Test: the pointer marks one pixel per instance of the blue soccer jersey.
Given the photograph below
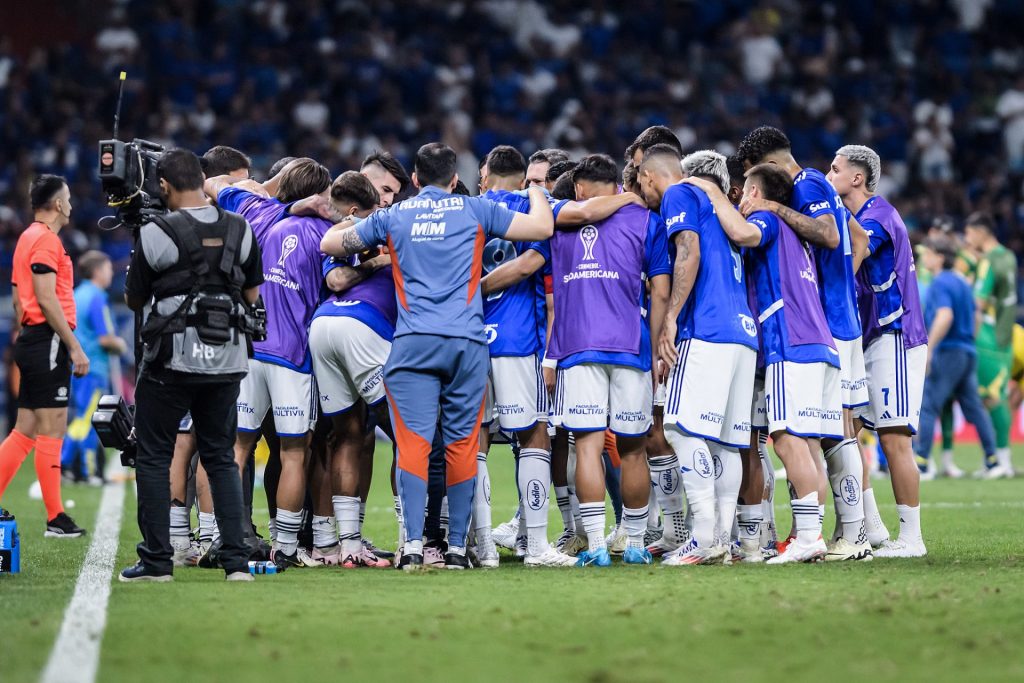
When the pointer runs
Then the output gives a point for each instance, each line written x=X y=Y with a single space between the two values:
x=94 y=321
x=437 y=243
x=716 y=310
x=515 y=318
x=814 y=196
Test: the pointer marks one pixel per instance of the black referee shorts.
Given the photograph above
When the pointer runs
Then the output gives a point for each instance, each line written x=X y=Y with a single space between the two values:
x=45 y=367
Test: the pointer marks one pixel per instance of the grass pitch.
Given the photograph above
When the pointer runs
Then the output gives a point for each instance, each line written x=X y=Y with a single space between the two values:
x=958 y=612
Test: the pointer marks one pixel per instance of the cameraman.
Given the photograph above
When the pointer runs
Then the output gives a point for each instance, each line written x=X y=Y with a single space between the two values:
x=194 y=274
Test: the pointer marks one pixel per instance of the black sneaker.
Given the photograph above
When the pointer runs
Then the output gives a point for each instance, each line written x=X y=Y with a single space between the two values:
x=211 y=558
x=285 y=561
x=456 y=561
x=379 y=552
x=411 y=562
x=63 y=526
x=140 y=572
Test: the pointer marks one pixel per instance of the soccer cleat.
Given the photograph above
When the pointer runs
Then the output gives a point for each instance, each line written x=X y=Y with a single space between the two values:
x=594 y=558
x=487 y=556
x=550 y=558
x=995 y=472
x=285 y=560
x=186 y=555
x=749 y=552
x=140 y=572
x=901 y=548
x=691 y=553
x=575 y=546
x=637 y=556
x=769 y=551
x=951 y=471
x=781 y=546
x=617 y=540
x=432 y=556
x=363 y=558
x=797 y=551
x=653 y=535
x=564 y=539
x=521 y=546
x=379 y=552
x=211 y=558
x=305 y=558
x=663 y=546
x=63 y=526
x=327 y=557
x=411 y=562
x=505 y=533
x=456 y=561
x=239 y=576
x=842 y=550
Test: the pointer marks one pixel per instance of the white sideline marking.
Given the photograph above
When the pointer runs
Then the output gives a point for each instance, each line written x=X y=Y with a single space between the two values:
x=76 y=653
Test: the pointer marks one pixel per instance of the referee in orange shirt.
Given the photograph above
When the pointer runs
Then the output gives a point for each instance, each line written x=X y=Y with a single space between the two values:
x=45 y=349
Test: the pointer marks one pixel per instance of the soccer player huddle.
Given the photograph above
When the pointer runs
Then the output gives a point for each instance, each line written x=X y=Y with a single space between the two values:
x=636 y=335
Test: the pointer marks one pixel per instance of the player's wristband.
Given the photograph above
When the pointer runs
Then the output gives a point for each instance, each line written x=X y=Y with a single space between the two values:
x=549 y=363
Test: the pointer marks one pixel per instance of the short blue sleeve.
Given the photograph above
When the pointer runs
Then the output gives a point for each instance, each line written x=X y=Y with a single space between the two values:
x=99 y=316
x=230 y=198
x=940 y=295
x=768 y=225
x=494 y=217
x=877 y=235
x=680 y=209
x=329 y=263
x=543 y=248
x=374 y=230
x=556 y=208
x=811 y=198
x=656 y=261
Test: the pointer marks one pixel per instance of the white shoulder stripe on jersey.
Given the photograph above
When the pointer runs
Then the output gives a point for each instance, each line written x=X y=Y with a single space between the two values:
x=770 y=311
x=882 y=322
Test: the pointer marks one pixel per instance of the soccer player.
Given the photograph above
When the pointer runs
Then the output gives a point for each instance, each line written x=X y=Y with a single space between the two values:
x=802 y=396
x=709 y=339
x=224 y=160
x=655 y=135
x=515 y=321
x=604 y=367
x=387 y=175
x=895 y=345
x=996 y=292
x=46 y=350
x=949 y=314
x=540 y=162
x=349 y=340
x=439 y=355
x=99 y=340
x=818 y=216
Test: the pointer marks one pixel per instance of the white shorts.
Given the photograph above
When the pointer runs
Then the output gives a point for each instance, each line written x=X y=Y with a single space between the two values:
x=804 y=399
x=594 y=396
x=348 y=362
x=516 y=395
x=853 y=376
x=290 y=393
x=895 y=383
x=709 y=391
x=758 y=411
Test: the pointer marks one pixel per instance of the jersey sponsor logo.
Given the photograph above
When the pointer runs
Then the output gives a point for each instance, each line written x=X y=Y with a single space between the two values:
x=536 y=494
x=631 y=416
x=429 y=230
x=675 y=219
x=820 y=413
x=589 y=235
x=287 y=247
x=586 y=409
x=453 y=202
x=244 y=408
x=509 y=409
x=748 y=325
x=371 y=383
x=819 y=206
x=593 y=272
x=849 y=489
x=713 y=418
x=289 y=411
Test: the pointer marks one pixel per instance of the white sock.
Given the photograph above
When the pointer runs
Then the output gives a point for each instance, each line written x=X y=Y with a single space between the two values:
x=208 y=531
x=272 y=529
x=346 y=511
x=574 y=501
x=444 y=515
x=482 y=501
x=750 y=518
x=288 y=524
x=727 y=490
x=398 y=517
x=698 y=475
x=873 y=523
x=768 y=502
x=653 y=510
x=910 y=522
x=845 y=471
x=667 y=482
x=325 y=531
x=534 y=483
x=362 y=515
x=634 y=522
x=565 y=507
x=593 y=516
x=179 y=519
x=1003 y=458
x=806 y=518
x=947 y=461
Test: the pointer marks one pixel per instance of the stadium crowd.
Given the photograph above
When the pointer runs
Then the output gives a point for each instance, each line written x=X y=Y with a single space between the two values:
x=933 y=85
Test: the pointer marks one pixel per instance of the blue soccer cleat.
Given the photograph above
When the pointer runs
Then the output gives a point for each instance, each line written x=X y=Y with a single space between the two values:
x=637 y=556
x=595 y=558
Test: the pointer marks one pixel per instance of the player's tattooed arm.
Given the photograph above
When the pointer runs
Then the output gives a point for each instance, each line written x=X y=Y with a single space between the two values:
x=342 y=242
x=860 y=243
x=512 y=273
x=684 y=275
x=821 y=231
x=572 y=215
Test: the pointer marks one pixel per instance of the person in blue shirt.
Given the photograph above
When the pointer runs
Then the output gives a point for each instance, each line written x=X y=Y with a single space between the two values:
x=949 y=315
x=439 y=355
x=99 y=340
